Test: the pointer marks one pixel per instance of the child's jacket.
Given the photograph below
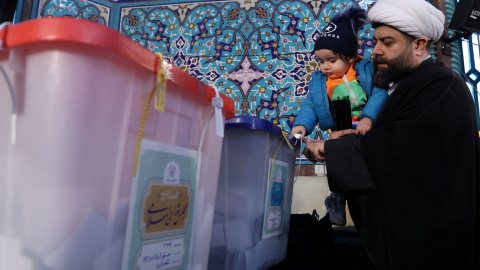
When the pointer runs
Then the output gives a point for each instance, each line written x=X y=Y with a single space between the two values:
x=347 y=87
x=315 y=108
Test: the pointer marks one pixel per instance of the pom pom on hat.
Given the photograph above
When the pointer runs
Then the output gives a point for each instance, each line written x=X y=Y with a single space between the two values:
x=340 y=34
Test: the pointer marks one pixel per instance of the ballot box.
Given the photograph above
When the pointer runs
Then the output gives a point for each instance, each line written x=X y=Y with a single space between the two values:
x=113 y=154
x=254 y=195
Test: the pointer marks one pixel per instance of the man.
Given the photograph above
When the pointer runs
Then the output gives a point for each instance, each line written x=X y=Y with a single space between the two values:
x=413 y=180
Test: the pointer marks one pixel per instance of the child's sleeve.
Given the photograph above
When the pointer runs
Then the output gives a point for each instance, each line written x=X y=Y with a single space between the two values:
x=376 y=95
x=374 y=103
x=315 y=107
x=306 y=116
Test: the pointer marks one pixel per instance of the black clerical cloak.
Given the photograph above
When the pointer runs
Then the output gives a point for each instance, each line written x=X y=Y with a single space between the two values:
x=413 y=181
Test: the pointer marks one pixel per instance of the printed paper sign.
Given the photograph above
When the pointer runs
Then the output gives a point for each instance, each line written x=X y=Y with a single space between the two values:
x=165 y=208
x=276 y=198
x=159 y=225
x=166 y=254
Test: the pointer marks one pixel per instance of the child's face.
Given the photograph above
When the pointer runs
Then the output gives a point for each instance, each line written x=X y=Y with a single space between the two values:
x=332 y=65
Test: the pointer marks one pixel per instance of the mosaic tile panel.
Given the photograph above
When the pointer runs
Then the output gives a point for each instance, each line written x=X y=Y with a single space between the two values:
x=81 y=9
x=256 y=52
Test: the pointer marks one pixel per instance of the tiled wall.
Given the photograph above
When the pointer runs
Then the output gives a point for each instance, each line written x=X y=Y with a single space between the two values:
x=96 y=11
x=256 y=52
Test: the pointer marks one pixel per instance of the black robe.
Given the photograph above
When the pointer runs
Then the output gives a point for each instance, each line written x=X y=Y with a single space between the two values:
x=413 y=180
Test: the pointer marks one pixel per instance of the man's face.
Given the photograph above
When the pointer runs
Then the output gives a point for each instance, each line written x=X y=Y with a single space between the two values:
x=392 y=56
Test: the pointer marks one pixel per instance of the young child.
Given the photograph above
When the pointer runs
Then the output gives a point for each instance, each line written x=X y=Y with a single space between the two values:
x=343 y=75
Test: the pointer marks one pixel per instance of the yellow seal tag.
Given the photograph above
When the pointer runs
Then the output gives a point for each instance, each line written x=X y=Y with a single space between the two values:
x=161 y=85
x=284 y=133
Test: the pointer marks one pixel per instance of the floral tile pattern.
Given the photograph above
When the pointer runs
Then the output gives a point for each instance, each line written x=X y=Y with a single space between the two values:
x=81 y=9
x=257 y=52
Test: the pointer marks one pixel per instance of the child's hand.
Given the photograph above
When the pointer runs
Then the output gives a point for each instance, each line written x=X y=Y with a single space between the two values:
x=299 y=130
x=363 y=126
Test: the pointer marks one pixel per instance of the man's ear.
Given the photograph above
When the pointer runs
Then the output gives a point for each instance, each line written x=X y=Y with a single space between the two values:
x=419 y=45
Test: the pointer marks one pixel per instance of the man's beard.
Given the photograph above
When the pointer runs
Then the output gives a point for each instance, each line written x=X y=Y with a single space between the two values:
x=397 y=68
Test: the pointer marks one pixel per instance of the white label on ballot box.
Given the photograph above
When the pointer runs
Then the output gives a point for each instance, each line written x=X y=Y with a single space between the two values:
x=159 y=226
x=274 y=220
x=166 y=254
x=275 y=199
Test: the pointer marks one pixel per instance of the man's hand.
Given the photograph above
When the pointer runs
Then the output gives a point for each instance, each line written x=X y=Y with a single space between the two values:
x=340 y=133
x=314 y=151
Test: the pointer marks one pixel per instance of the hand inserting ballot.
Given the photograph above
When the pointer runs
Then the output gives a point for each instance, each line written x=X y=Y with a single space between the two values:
x=315 y=149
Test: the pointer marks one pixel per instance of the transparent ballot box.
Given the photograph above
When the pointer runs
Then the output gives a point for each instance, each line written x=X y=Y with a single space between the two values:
x=254 y=196
x=110 y=158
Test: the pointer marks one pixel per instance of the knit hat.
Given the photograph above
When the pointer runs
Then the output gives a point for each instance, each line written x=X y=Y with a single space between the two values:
x=340 y=34
x=417 y=18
